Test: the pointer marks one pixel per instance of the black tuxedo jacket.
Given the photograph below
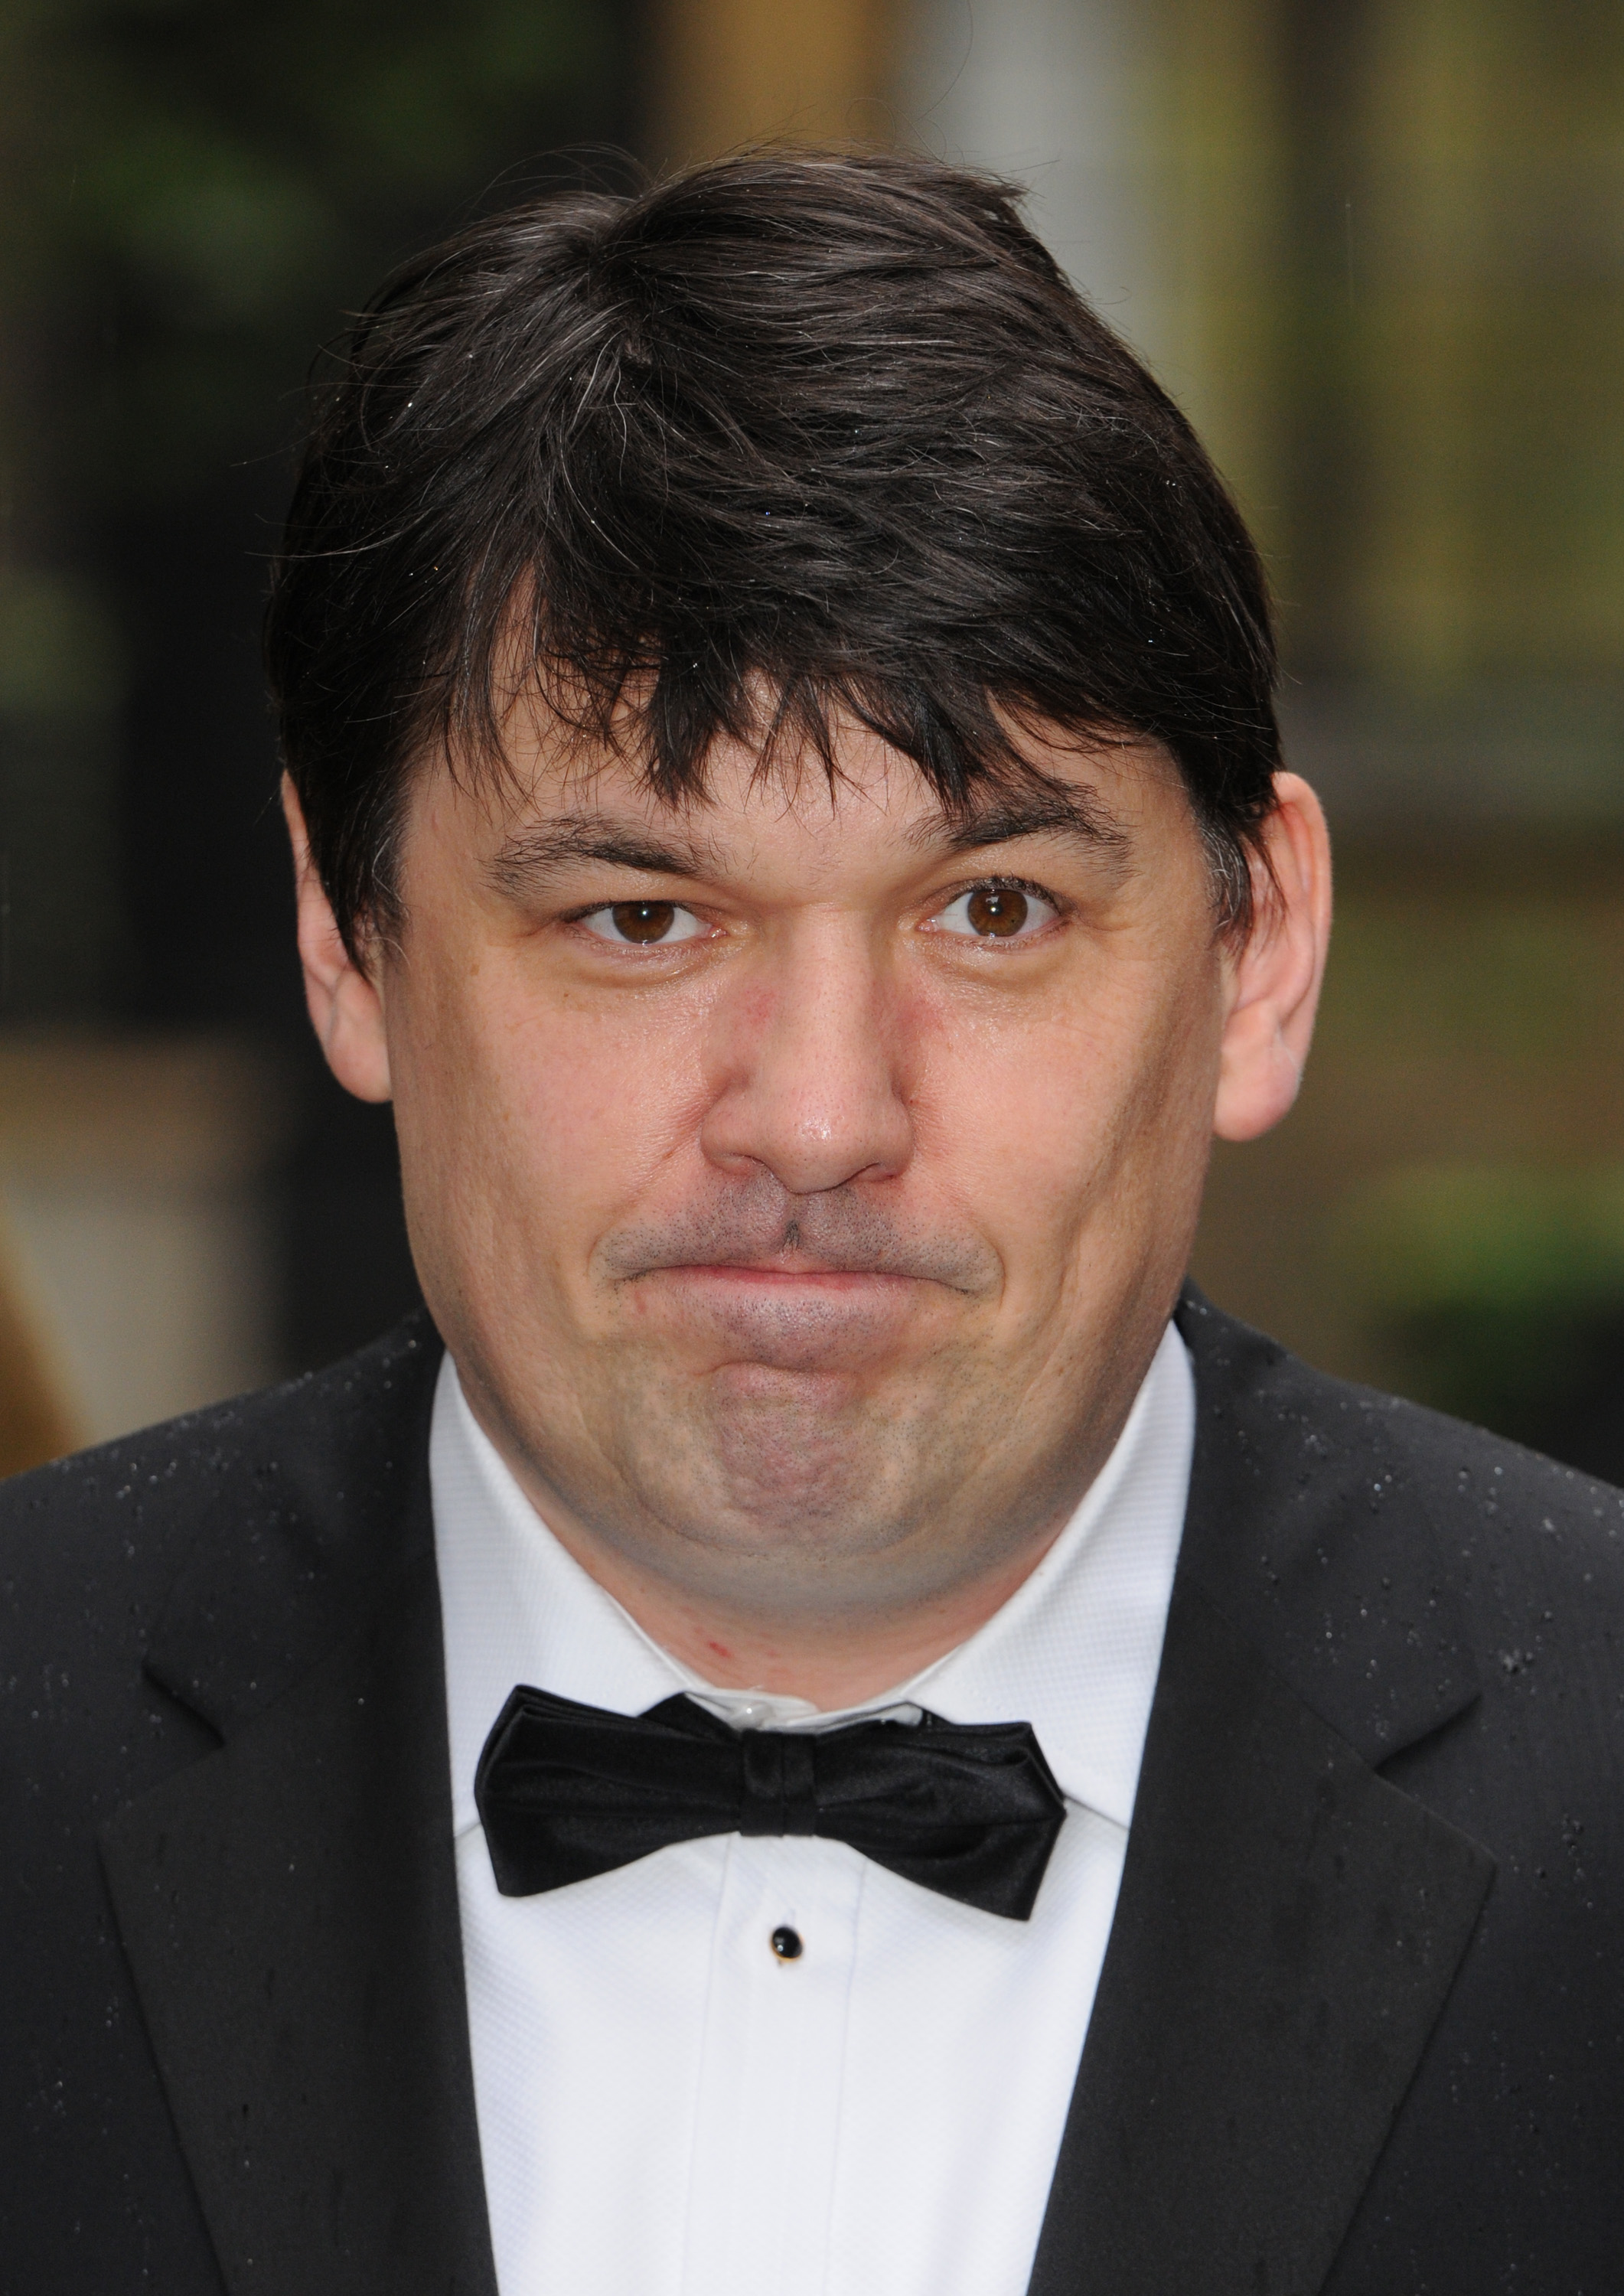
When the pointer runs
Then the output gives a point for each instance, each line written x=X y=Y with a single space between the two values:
x=1360 y=2028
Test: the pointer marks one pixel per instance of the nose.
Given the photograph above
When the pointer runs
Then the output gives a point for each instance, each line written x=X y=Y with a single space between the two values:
x=808 y=1077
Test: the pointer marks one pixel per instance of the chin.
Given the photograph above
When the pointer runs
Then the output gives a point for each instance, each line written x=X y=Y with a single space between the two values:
x=784 y=1467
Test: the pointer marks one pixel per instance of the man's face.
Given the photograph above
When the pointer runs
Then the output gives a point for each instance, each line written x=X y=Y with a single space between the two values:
x=801 y=1179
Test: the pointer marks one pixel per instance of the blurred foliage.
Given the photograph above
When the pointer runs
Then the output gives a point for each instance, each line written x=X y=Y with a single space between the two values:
x=197 y=187
x=1443 y=1212
x=63 y=660
x=195 y=191
x=1499 y=1292
x=1493 y=980
x=61 y=656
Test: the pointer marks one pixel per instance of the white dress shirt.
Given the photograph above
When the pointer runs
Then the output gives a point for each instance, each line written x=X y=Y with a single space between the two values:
x=668 y=2108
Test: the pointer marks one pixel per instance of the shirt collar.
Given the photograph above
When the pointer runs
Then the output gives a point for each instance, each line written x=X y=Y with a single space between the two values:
x=1074 y=1651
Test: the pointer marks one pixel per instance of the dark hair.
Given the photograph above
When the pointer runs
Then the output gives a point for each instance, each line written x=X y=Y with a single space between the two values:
x=794 y=433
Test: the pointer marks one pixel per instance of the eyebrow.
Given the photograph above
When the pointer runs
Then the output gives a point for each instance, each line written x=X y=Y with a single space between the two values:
x=531 y=856
x=1046 y=810
x=527 y=859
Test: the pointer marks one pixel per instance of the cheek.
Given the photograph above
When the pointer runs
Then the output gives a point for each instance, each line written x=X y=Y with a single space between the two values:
x=548 y=1112
x=1082 y=1114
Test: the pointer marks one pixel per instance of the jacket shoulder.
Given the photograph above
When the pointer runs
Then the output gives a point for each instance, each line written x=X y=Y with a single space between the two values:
x=1266 y=1418
x=91 y=1546
x=1375 y=1542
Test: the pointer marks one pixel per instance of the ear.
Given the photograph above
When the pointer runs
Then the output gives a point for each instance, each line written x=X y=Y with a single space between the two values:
x=1274 y=979
x=346 y=1006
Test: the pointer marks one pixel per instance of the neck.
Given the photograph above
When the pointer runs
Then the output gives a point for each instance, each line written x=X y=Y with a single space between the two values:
x=836 y=1634
x=832 y=1659
x=768 y=1608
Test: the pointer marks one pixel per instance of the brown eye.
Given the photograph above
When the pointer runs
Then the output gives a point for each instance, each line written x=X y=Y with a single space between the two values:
x=640 y=924
x=643 y=921
x=997 y=910
x=1000 y=909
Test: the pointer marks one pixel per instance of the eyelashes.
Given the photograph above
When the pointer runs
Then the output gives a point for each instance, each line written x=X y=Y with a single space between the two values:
x=644 y=924
x=994 y=910
x=998 y=909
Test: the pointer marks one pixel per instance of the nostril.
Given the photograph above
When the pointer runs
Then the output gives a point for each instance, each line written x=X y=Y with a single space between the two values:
x=812 y=1091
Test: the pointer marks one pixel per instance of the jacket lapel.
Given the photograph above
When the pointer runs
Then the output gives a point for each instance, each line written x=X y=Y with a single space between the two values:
x=1289 y=1923
x=1288 y=1929
x=288 y=1907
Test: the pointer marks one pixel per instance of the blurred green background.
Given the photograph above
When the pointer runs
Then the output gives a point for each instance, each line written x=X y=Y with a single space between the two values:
x=1376 y=246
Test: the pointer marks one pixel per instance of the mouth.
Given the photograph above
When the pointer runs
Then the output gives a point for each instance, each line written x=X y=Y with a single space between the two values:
x=784 y=1270
x=786 y=1312
x=837 y=1286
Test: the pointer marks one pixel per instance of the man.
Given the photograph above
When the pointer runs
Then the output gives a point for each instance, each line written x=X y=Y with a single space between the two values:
x=818 y=1725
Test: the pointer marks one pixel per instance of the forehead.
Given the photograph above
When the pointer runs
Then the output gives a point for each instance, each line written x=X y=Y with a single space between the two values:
x=867 y=805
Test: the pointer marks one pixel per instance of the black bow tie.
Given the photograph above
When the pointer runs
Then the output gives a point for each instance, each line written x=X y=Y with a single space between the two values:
x=565 y=1791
